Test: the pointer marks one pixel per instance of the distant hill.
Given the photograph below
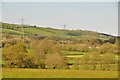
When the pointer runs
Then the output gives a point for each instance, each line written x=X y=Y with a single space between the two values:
x=28 y=30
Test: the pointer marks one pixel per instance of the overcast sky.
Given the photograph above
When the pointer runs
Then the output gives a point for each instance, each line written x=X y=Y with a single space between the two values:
x=95 y=16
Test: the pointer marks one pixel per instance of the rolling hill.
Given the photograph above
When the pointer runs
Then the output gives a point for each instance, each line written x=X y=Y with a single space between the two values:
x=27 y=30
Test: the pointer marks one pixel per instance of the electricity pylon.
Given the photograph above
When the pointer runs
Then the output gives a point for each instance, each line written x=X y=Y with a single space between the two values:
x=22 y=25
x=64 y=27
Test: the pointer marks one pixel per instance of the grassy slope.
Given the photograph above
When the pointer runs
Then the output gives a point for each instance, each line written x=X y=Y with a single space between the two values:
x=81 y=34
x=39 y=73
x=58 y=32
x=52 y=32
x=11 y=32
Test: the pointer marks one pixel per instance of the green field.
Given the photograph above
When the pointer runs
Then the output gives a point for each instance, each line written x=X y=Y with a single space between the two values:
x=47 y=73
x=51 y=32
x=44 y=31
x=12 y=32
x=74 y=53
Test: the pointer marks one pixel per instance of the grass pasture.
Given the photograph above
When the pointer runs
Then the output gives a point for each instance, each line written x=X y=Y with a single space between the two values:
x=12 y=32
x=47 y=73
x=74 y=53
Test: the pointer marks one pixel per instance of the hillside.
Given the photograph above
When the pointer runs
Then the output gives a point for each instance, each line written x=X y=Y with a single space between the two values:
x=27 y=30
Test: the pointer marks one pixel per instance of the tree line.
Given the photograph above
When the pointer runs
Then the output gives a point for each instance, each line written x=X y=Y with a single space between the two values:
x=47 y=54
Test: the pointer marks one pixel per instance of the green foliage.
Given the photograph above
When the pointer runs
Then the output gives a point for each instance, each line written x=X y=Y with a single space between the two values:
x=99 y=41
x=16 y=56
x=11 y=54
x=94 y=60
x=118 y=41
x=106 y=60
x=112 y=40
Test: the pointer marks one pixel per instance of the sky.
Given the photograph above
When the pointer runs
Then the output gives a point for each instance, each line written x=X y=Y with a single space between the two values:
x=60 y=0
x=95 y=16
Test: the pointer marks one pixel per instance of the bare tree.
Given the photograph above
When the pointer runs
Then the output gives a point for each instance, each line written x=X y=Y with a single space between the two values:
x=55 y=61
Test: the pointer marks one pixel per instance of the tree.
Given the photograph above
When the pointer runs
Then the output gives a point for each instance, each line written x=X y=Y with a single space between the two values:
x=81 y=47
x=99 y=41
x=16 y=56
x=84 y=61
x=94 y=59
x=12 y=54
x=108 y=48
x=106 y=60
x=112 y=40
x=57 y=48
x=55 y=61
x=105 y=48
x=41 y=48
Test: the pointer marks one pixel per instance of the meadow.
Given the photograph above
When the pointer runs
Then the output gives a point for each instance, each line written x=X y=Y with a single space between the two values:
x=61 y=73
